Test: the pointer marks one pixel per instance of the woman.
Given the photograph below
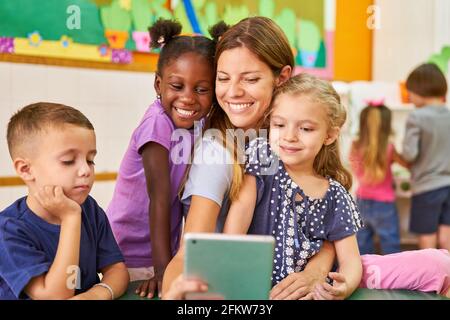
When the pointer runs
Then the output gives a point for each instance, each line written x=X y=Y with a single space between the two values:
x=253 y=57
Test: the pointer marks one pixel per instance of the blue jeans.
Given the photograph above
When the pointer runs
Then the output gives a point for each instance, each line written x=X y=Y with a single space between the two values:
x=379 y=218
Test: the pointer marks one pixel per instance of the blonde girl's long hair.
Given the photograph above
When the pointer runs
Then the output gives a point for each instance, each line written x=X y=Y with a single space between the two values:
x=328 y=160
x=374 y=132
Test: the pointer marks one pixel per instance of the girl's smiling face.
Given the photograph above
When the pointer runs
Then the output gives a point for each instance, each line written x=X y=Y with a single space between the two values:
x=186 y=86
x=298 y=129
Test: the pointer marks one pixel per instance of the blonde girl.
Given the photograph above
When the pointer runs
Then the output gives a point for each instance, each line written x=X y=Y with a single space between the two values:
x=304 y=201
x=371 y=157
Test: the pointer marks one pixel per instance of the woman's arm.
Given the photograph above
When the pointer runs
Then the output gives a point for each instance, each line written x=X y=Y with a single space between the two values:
x=300 y=285
x=411 y=139
x=202 y=217
x=241 y=211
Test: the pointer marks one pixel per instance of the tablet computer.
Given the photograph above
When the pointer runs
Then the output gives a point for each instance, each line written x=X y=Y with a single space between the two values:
x=235 y=267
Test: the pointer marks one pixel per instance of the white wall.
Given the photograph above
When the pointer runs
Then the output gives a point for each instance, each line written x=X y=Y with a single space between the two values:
x=114 y=102
x=411 y=31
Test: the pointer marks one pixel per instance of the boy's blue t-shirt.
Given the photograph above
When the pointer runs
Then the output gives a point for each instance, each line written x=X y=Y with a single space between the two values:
x=28 y=246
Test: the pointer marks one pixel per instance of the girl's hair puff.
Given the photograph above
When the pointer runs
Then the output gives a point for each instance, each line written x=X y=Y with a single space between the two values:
x=328 y=161
x=166 y=34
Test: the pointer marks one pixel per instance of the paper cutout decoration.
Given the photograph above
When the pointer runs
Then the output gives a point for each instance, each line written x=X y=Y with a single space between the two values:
x=142 y=40
x=442 y=59
x=55 y=49
x=66 y=41
x=6 y=45
x=308 y=24
x=121 y=56
x=103 y=50
x=34 y=38
x=308 y=42
x=125 y=4
x=117 y=23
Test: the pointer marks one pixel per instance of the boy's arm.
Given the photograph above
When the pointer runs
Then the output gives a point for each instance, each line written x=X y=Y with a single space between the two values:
x=399 y=159
x=411 y=140
x=56 y=284
x=155 y=159
x=241 y=211
x=350 y=272
x=115 y=276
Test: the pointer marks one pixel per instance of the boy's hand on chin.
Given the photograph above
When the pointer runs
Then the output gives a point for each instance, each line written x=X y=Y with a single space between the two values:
x=53 y=199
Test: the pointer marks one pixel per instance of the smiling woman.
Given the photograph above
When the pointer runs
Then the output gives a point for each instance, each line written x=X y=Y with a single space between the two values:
x=249 y=68
x=244 y=90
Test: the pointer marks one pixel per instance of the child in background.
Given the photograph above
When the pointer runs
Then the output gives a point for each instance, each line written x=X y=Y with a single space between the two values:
x=426 y=270
x=145 y=213
x=55 y=240
x=371 y=157
x=298 y=193
x=426 y=147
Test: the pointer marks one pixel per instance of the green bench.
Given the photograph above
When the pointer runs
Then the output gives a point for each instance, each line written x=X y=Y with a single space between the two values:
x=359 y=294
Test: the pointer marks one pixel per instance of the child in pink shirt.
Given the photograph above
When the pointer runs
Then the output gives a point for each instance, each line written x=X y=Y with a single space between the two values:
x=426 y=270
x=371 y=158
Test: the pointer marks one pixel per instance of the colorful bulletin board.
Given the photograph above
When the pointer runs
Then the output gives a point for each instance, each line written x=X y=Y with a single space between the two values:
x=115 y=31
x=308 y=24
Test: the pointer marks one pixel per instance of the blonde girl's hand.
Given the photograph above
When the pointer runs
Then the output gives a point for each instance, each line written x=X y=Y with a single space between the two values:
x=337 y=291
x=53 y=199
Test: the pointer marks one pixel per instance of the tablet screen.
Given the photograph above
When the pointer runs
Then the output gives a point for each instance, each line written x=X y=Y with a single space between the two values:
x=237 y=267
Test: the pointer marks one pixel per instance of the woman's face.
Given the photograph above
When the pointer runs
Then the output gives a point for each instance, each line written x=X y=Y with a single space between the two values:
x=244 y=87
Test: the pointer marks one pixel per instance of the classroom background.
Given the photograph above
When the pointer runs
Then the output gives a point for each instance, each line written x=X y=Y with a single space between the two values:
x=63 y=51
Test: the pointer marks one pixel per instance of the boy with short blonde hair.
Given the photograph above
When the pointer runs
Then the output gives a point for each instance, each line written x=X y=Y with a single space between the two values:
x=54 y=241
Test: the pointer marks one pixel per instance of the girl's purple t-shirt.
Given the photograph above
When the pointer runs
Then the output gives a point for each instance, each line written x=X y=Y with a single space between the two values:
x=128 y=210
